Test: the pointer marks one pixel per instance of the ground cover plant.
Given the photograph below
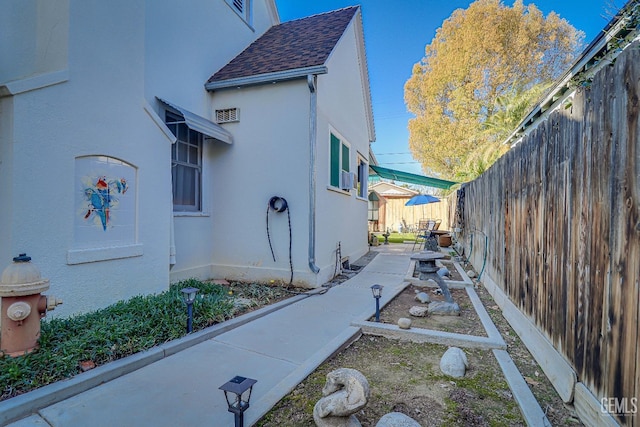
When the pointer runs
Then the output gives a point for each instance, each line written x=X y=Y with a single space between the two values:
x=69 y=346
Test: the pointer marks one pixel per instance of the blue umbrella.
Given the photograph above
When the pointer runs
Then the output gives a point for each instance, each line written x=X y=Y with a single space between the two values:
x=421 y=199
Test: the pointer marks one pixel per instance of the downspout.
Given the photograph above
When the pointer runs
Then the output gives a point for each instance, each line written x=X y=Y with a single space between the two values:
x=313 y=121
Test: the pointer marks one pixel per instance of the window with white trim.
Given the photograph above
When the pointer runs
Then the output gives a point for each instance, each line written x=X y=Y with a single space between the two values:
x=339 y=160
x=242 y=8
x=363 y=177
x=186 y=165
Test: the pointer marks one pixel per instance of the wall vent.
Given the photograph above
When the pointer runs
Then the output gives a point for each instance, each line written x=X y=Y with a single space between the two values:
x=227 y=115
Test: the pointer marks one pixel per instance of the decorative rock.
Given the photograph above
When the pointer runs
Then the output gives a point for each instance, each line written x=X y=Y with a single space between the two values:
x=454 y=362
x=404 y=323
x=397 y=419
x=422 y=297
x=471 y=274
x=443 y=308
x=345 y=392
x=444 y=272
x=418 y=311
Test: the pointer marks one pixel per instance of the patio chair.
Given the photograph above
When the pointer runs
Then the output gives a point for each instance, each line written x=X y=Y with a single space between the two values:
x=424 y=230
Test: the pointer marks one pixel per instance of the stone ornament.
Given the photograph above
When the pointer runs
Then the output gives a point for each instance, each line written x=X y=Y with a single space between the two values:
x=345 y=392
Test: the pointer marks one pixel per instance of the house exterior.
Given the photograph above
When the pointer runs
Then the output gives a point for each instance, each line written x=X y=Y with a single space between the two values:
x=116 y=176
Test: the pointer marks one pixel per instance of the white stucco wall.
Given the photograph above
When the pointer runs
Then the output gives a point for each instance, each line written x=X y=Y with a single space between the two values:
x=179 y=60
x=269 y=157
x=341 y=108
x=97 y=111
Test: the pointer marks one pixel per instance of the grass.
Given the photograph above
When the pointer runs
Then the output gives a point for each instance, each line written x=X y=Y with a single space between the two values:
x=396 y=237
x=123 y=329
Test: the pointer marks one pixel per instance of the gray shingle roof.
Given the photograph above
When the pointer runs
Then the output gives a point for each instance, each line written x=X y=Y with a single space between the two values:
x=302 y=43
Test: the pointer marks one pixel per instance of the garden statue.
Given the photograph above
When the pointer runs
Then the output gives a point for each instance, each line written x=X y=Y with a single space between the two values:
x=345 y=393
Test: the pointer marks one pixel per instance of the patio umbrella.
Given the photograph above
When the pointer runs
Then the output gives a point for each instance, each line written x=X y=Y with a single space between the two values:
x=421 y=199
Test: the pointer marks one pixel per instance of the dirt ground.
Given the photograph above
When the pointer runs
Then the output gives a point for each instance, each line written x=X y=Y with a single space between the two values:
x=467 y=322
x=405 y=377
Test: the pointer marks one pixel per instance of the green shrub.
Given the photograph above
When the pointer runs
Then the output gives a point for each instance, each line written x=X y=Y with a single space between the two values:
x=120 y=330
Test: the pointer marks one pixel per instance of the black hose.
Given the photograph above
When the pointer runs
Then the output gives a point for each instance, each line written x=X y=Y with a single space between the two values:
x=279 y=204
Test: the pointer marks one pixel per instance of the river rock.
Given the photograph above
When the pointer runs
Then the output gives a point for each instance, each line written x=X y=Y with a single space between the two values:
x=404 y=323
x=471 y=274
x=422 y=297
x=418 y=311
x=397 y=419
x=454 y=362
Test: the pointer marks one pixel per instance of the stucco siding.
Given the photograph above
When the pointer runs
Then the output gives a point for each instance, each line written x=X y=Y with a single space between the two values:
x=97 y=112
x=343 y=216
x=269 y=157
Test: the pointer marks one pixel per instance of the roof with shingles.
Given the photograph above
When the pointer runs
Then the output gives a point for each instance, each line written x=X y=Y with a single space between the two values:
x=302 y=43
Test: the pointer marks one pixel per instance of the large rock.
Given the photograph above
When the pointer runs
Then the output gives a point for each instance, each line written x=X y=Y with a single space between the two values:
x=418 y=311
x=404 y=323
x=345 y=392
x=397 y=419
x=443 y=308
x=454 y=362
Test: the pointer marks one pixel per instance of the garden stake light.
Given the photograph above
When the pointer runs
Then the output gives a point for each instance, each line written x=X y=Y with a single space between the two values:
x=189 y=296
x=238 y=389
x=377 y=293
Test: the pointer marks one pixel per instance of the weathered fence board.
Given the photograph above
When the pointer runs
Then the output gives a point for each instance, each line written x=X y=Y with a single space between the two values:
x=556 y=223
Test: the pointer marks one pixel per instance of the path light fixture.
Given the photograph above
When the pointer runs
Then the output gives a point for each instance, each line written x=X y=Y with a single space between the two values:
x=237 y=392
x=189 y=296
x=377 y=293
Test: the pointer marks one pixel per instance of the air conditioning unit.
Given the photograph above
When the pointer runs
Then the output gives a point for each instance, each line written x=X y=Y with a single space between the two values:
x=347 y=180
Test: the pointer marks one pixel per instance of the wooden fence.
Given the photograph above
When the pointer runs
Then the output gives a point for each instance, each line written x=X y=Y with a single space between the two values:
x=559 y=216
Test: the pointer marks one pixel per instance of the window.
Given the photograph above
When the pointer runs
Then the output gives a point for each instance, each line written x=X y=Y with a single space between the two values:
x=186 y=164
x=363 y=177
x=242 y=8
x=339 y=160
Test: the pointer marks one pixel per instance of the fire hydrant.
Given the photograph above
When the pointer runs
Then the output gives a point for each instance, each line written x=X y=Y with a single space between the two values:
x=22 y=305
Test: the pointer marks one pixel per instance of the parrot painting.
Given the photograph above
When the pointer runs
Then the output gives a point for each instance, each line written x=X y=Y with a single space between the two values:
x=100 y=200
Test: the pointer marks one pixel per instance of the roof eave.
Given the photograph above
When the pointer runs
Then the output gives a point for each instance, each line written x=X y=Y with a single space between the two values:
x=266 y=78
x=364 y=70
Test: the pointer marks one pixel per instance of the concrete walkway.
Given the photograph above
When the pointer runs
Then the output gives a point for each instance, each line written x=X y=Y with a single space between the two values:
x=177 y=384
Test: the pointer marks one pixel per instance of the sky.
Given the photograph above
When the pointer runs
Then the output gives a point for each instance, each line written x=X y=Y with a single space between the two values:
x=395 y=40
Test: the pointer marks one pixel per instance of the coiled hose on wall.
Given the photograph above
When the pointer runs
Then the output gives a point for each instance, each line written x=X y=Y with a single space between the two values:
x=279 y=205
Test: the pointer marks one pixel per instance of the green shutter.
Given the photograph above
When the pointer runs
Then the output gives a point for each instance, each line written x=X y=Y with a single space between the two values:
x=345 y=158
x=335 y=161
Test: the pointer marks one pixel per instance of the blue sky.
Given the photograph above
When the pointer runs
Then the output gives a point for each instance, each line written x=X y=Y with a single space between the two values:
x=396 y=33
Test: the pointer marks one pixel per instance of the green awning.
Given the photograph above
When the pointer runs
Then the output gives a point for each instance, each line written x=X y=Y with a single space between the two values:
x=411 y=178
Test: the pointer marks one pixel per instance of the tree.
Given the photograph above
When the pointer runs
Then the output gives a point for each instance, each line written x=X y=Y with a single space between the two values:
x=479 y=55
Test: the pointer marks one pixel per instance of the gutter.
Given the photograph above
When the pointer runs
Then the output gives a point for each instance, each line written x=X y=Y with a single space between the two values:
x=313 y=122
x=267 y=78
